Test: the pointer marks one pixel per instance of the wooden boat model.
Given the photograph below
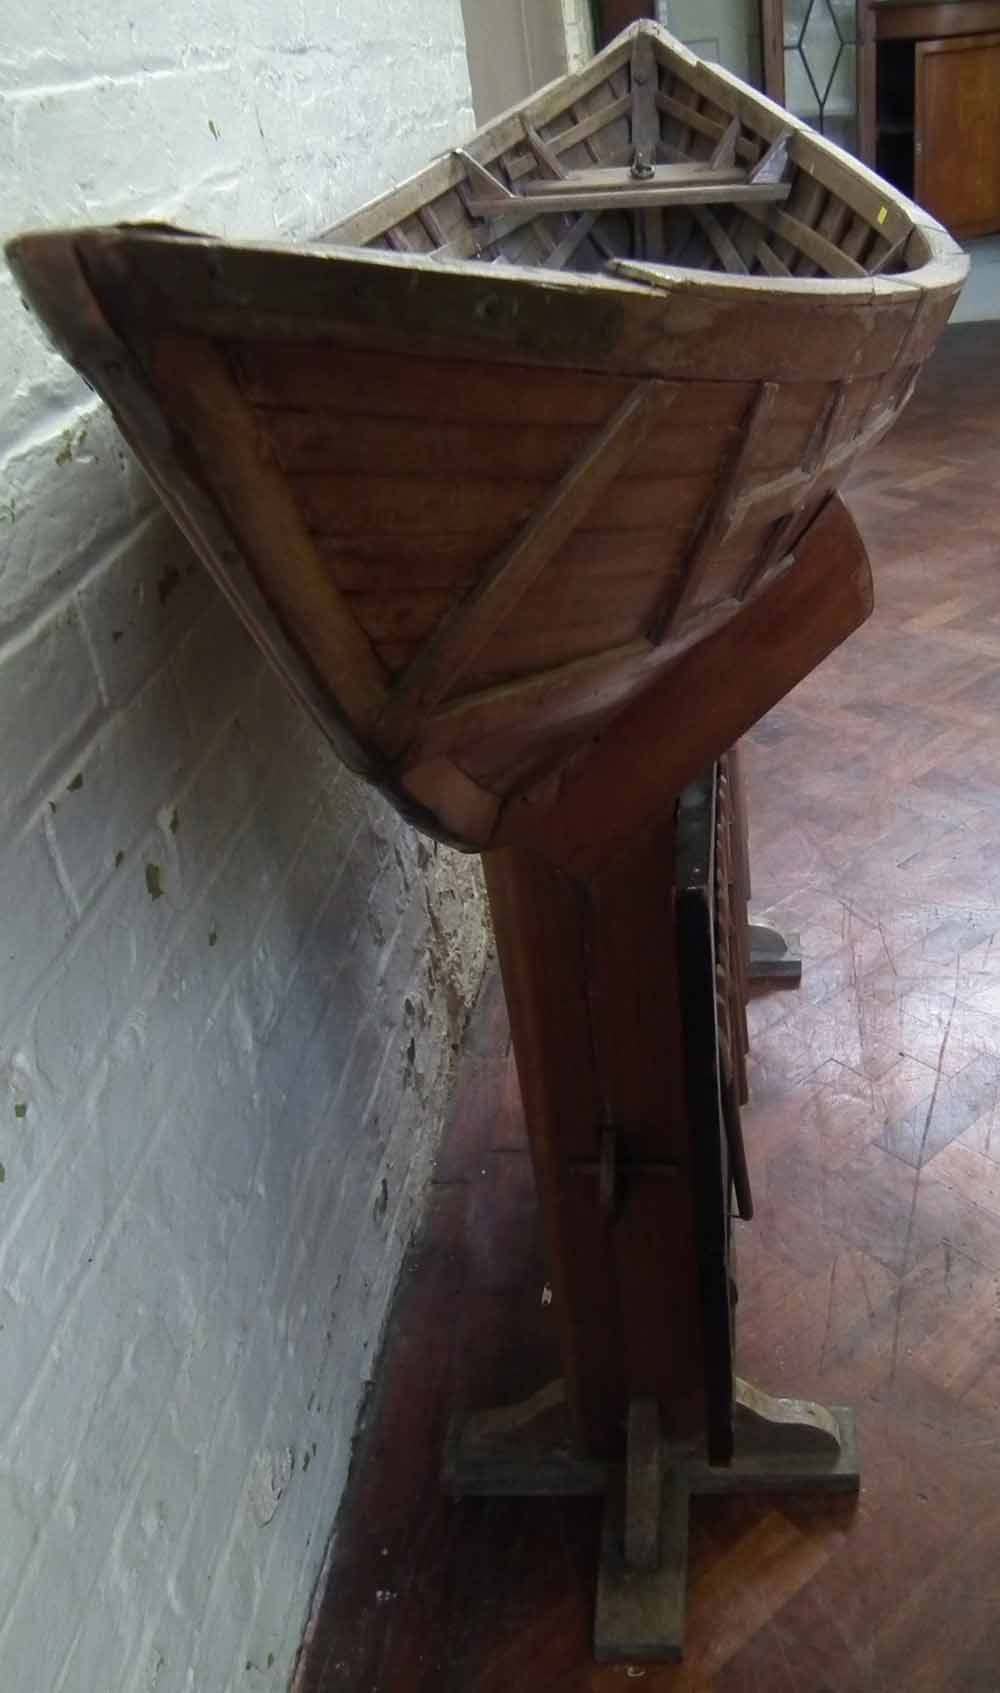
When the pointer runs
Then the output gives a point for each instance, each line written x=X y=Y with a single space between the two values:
x=524 y=475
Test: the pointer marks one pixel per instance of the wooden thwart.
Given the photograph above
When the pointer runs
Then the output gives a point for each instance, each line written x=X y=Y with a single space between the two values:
x=616 y=177
x=636 y=195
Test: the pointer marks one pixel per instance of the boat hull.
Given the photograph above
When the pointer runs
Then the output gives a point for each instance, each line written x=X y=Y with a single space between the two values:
x=473 y=511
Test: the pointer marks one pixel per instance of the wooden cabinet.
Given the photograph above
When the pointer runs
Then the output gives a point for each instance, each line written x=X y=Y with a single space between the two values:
x=930 y=93
x=927 y=92
x=956 y=131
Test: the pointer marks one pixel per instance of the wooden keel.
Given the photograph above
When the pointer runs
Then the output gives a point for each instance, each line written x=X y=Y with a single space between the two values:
x=699 y=193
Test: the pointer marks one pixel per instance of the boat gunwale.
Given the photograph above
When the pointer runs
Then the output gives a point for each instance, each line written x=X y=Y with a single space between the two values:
x=629 y=279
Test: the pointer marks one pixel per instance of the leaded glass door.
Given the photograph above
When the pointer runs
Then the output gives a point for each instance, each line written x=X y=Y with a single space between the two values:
x=811 y=63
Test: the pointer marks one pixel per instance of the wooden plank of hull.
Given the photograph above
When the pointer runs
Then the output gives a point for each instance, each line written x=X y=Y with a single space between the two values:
x=466 y=630
x=353 y=444
x=558 y=601
x=317 y=383
x=501 y=724
x=199 y=392
x=375 y=566
x=345 y=505
x=315 y=377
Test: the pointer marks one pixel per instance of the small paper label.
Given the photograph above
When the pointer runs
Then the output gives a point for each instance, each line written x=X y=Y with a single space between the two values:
x=883 y=214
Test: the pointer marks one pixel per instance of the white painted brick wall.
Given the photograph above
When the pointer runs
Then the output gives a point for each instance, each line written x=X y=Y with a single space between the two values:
x=230 y=981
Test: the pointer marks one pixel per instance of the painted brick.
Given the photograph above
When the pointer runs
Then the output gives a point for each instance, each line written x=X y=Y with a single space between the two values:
x=103 y=974
x=137 y=607
x=49 y=699
x=111 y=797
x=218 y=946
x=68 y=491
x=215 y=665
x=37 y=918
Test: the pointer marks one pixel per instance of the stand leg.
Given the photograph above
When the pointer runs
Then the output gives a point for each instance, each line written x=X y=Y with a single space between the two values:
x=768 y=955
x=639 y=1615
x=782 y=1446
x=773 y=956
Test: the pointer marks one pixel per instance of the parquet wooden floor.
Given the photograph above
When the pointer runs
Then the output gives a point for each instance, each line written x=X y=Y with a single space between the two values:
x=871 y=1274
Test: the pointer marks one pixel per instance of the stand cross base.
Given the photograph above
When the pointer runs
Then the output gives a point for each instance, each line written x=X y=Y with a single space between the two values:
x=781 y=1445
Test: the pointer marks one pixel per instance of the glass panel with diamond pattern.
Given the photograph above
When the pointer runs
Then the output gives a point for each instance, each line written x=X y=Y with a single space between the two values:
x=821 y=41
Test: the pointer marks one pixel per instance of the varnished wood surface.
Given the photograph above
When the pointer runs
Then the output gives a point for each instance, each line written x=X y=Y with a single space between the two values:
x=927 y=18
x=871 y=1274
x=957 y=144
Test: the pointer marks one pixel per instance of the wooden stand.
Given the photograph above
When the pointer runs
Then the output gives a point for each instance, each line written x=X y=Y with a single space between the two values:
x=626 y=990
x=526 y=1450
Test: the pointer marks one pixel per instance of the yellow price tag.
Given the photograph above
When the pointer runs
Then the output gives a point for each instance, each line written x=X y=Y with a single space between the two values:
x=883 y=214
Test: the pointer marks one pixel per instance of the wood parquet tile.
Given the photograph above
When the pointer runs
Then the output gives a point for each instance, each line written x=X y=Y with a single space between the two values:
x=871 y=1273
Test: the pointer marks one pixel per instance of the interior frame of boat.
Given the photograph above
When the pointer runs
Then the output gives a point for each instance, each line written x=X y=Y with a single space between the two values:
x=656 y=157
